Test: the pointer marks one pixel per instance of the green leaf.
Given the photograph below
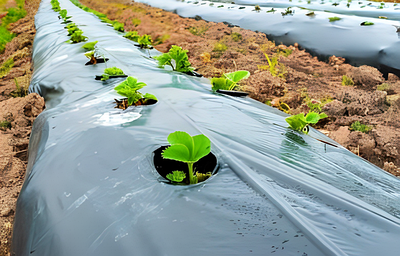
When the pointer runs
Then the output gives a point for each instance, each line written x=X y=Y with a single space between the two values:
x=202 y=147
x=149 y=96
x=63 y=13
x=180 y=57
x=89 y=54
x=323 y=115
x=176 y=176
x=177 y=152
x=89 y=46
x=113 y=71
x=312 y=118
x=183 y=138
x=219 y=83
x=238 y=75
x=132 y=35
x=297 y=122
x=144 y=41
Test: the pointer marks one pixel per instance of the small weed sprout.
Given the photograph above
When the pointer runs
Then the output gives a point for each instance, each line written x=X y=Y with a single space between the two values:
x=198 y=31
x=6 y=67
x=383 y=87
x=236 y=37
x=347 y=81
x=136 y=22
x=4 y=125
x=357 y=126
x=20 y=91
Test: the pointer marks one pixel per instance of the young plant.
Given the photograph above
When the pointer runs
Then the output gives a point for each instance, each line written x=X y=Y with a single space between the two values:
x=288 y=11
x=347 y=81
x=357 y=126
x=144 y=41
x=71 y=28
x=176 y=176
x=130 y=89
x=229 y=81
x=118 y=26
x=90 y=46
x=275 y=68
x=187 y=149
x=114 y=71
x=367 y=23
x=63 y=14
x=77 y=37
x=55 y=5
x=132 y=35
x=300 y=122
x=176 y=58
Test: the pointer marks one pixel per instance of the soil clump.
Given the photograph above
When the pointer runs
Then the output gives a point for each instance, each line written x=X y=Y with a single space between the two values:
x=17 y=113
x=294 y=77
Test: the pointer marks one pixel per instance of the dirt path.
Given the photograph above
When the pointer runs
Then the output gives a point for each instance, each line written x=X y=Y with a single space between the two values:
x=19 y=112
x=301 y=81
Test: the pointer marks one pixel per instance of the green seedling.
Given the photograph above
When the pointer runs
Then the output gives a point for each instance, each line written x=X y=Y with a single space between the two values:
x=275 y=68
x=63 y=14
x=288 y=11
x=20 y=91
x=187 y=149
x=332 y=19
x=6 y=67
x=177 y=58
x=335 y=4
x=90 y=46
x=71 y=28
x=357 y=126
x=347 y=81
x=229 y=81
x=144 y=41
x=130 y=89
x=132 y=35
x=272 y=10
x=367 y=23
x=236 y=37
x=77 y=37
x=114 y=71
x=118 y=26
x=55 y=5
x=300 y=122
x=257 y=8
x=4 y=125
x=176 y=176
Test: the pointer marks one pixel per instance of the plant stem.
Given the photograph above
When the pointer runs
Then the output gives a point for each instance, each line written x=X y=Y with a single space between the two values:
x=191 y=180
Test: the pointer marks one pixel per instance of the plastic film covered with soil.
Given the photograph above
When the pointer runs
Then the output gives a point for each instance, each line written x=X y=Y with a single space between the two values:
x=91 y=187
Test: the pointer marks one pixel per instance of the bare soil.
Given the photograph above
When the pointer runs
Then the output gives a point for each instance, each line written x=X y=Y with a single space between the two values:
x=217 y=48
x=20 y=112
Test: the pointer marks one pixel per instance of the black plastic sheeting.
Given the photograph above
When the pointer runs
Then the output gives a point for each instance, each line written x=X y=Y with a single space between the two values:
x=377 y=45
x=91 y=187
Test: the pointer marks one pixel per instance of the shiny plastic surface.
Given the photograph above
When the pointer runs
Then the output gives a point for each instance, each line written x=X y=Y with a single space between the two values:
x=91 y=187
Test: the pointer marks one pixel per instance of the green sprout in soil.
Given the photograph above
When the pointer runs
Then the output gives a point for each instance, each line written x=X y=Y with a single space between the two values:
x=332 y=19
x=300 y=122
x=136 y=22
x=55 y=5
x=144 y=41
x=90 y=46
x=288 y=11
x=236 y=37
x=130 y=89
x=4 y=125
x=176 y=58
x=229 y=81
x=220 y=48
x=132 y=35
x=367 y=23
x=357 y=126
x=198 y=31
x=187 y=149
x=20 y=91
x=284 y=52
x=176 y=176
x=274 y=67
x=6 y=67
x=114 y=71
x=64 y=15
x=383 y=87
x=347 y=81
x=161 y=39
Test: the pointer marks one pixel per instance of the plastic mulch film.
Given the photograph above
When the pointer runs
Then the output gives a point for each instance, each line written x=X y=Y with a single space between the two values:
x=307 y=23
x=91 y=187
